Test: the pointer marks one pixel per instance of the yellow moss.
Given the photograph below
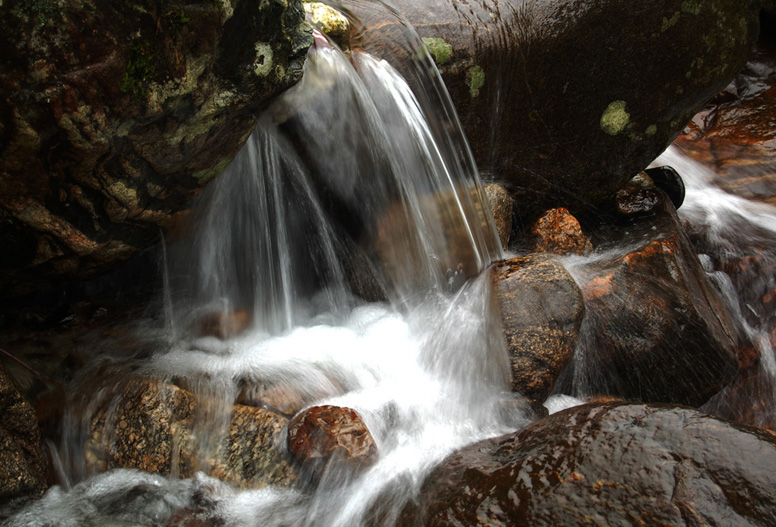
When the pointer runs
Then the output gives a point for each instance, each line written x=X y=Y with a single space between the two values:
x=441 y=50
x=475 y=79
x=615 y=118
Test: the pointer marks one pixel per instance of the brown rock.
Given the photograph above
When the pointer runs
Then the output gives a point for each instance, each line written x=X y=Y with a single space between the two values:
x=330 y=438
x=501 y=206
x=612 y=464
x=115 y=114
x=638 y=197
x=160 y=428
x=734 y=135
x=558 y=232
x=541 y=310
x=655 y=329
x=224 y=325
x=23 y=464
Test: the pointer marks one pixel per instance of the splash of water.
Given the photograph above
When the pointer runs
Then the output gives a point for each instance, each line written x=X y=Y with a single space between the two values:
x=350 y=174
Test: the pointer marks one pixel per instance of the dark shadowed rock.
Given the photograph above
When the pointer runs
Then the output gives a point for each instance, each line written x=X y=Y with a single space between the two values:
x=613 y=464
x=558 y=232
x=158 y=428
x=541 y=310
x=114 y=114
x=23 y=465
x=330 y=438
x=565 y=100
x=639 y=197
x=655 y=328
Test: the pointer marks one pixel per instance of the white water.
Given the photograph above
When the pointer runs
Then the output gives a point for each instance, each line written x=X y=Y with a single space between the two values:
x=733 y=229
x=426 y=368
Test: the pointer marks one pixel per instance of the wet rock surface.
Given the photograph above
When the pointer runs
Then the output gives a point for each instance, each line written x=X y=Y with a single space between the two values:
x=541 y=311
x=153 y=427
x=501 y=206
x=114 y=115
x=330 y=439
x=611 y=464
x=558 y=232
x=655 y=329
x=735 y=135
x=595 y=106
x=23 y=464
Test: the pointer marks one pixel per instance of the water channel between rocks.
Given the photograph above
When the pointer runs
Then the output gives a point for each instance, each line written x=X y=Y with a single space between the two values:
x=356 y=184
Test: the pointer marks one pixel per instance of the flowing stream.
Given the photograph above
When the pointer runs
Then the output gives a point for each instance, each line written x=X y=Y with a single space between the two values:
x=351 y=183
x=357 y=183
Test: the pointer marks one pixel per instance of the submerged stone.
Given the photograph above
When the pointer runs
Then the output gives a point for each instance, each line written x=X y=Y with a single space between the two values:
x=610 y=464
x=330 y=441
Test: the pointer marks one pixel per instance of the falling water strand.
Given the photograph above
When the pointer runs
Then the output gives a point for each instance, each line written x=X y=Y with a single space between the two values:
x=348 y=172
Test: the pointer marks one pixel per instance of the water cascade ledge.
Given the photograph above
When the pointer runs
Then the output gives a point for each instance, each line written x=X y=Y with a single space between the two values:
x=252 y=335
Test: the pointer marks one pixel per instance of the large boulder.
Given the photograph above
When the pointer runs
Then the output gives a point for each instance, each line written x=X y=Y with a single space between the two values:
x=23 y=464
x=159 y=428
x=114 y=114
x=565 y=100
x=655 y=330
x=611 y=464
x=541 y=312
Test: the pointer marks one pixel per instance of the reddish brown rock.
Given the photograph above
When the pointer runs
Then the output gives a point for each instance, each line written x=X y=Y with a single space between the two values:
x=330 y=438
x=656 y=330
x=541 y=312
x=611 y=464
x=735 y=135
x=558 y=232
x=225 y=325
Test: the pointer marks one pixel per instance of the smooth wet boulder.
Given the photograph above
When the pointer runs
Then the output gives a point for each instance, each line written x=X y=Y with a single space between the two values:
x=23 y=464
x=611 y=464
x=159 y=428
x=655 y=330
x=565 y=100
x=332 y=441
x=541 y=311
x=114 y=114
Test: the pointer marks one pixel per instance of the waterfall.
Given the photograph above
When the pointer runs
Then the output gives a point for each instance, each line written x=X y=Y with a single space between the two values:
x=339 y=255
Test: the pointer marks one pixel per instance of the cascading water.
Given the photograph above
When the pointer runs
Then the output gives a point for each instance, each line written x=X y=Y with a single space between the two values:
x=350 y=178
x=736 y=238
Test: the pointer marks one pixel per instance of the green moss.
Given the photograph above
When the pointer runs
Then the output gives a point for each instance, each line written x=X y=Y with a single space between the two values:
x=475 y=79
x=615 y=118
x=670 y=22
x=692 y=7
x=176 y=19
x=651 y=130
x=139 y=70
x=441 y=50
